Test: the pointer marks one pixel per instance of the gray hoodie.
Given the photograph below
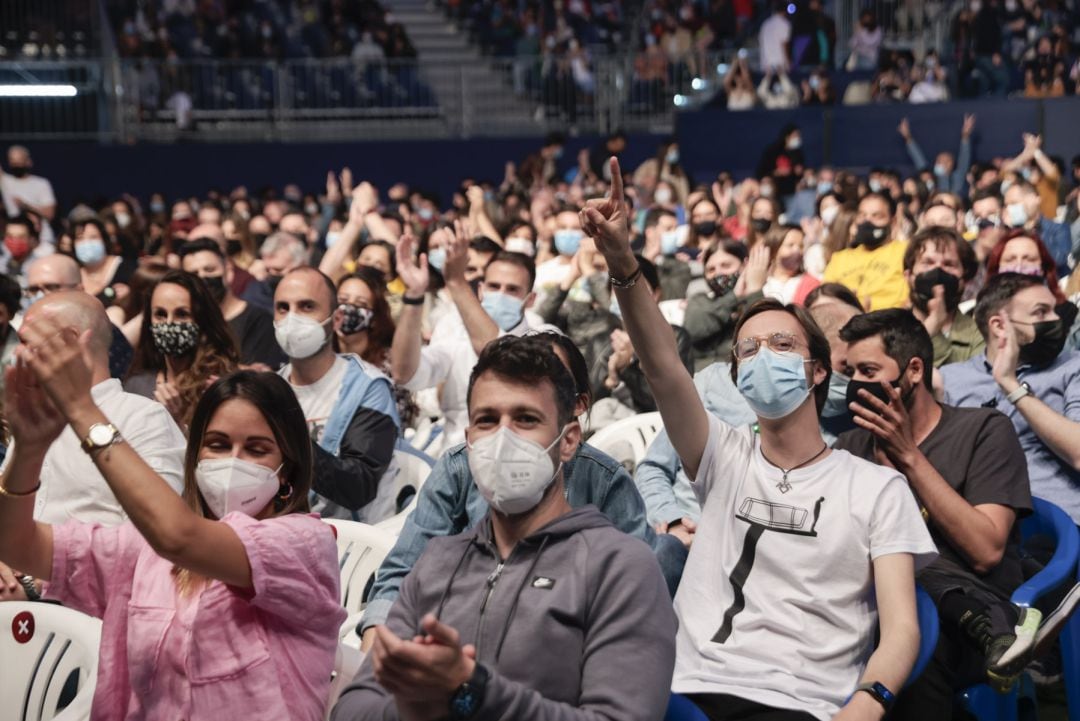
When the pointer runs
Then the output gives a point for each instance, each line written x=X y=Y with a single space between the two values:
x=576 y=624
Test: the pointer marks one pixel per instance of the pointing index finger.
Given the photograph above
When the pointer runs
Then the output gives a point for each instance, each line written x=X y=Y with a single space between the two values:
x=616 y=180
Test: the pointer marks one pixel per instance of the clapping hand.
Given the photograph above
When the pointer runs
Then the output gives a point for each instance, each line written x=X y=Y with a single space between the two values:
x=34 y=421
x=413 y=273
x=57 y=357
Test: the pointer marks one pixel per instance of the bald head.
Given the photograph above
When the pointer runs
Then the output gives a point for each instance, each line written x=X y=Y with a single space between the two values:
x=212 y=231
x=18 y=155
x=831 y=317
x=57 y=270
x=82 y=312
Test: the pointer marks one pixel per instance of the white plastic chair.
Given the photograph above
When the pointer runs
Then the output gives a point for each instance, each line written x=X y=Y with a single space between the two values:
x=361 y=550
x=346 y=664
x=42 y=646
x=628 y=440
x=413 y=468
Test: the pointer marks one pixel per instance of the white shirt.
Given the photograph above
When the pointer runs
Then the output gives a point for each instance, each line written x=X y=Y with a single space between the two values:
x=32 y=189
x=928 y=92
x=72 y=486
x=782 y=290
x=317 y=399
x=774 y=33
x=449 y=359
x=809 y=618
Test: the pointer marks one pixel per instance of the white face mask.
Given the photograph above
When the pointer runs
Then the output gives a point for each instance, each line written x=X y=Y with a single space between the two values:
x=301 y=337
x=511 y=471
x=521 y=245
x=828 y=215
x=232 y=484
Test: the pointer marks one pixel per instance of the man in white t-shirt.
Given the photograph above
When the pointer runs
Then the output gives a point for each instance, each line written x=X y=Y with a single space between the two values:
x=801 y=553
x=27 y=194
x=773 y=39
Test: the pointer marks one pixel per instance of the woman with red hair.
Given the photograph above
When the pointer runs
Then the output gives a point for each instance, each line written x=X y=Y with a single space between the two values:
x=1022 y=251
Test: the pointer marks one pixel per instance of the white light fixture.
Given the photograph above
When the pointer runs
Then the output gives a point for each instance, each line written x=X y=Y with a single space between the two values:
x=38 y=91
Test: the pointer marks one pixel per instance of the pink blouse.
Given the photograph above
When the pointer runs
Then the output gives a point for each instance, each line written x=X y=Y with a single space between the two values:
x=222 y=652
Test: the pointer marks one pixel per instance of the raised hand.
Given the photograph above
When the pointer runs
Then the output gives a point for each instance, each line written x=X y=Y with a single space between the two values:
x=168 y=395
x=333 y=190
x=968 y=126
x=413 y=273
x=1008 y=356
x=457 y=252
x=346 y=181
x=57 y=357
x=364 y=200
x=904 y=129
x=756 y=271
x=34 y=421
x=607 y=222
x=1032 y=143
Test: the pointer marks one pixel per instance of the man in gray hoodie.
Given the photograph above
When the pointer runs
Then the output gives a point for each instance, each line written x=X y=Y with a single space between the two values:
x=539 y=612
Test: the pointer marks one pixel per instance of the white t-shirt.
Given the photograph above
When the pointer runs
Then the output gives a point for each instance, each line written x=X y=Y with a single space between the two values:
x=806 y=619
x=782 y=290
x=774 y=33
x=317 y=399
x=32 y=189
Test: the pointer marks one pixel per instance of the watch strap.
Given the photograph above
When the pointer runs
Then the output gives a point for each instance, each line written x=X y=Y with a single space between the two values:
x=879 y=692
x=1022 y=390
x=91 y=447
x=469 y=696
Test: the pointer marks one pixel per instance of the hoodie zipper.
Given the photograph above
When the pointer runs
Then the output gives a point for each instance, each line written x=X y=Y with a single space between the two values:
x=492 y=579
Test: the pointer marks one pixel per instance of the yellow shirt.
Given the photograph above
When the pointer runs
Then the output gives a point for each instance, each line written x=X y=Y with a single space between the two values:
x=875 y=276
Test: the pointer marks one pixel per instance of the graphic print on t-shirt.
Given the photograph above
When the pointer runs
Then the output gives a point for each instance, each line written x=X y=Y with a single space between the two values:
x=762 y=516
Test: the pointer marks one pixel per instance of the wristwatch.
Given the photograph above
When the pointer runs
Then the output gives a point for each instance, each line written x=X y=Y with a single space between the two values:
x=880 y=693
x=100 y=435
x=469 y=696
x=1022 y=390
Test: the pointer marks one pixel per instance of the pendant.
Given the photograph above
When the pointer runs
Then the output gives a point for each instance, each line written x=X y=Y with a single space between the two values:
x=783 y=486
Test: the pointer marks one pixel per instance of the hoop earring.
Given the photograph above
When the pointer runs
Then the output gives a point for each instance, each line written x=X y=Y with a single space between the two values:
x=287 y=494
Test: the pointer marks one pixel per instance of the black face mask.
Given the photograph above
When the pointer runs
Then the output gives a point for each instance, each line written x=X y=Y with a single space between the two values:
x=923 y=292
x=273 y=281
x=233 y=247
x=870 y=235
x=760 y=225
x=259 y=239
x=19 y=171
x=1049 y=340
x=723 y=284
x=216 y=286
x=705 y=228
x=872 y=387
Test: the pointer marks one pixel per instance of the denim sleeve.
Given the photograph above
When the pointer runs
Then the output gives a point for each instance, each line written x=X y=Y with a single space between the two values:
x=655 y=479
x=918 y=159
x=440 y=511
x=624 y=506
x=963 y=162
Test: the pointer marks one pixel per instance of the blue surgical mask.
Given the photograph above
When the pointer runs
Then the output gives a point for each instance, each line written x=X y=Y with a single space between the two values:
x=824 y=186
x=773 y=384
x=836 y=403
x=426 y=214
x=568 y=240
x=90 y=252
x=505 y=310
x=436 y=258
x=875 y=186
x=669 y=242
x=939 y=169
x=672 y=157
x=332 y=237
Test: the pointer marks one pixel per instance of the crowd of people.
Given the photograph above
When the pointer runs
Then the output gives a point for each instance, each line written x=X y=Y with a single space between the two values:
x=866 y=381
x=282 y=29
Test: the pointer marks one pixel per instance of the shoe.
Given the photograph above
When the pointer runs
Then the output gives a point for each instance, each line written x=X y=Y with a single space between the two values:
x=979 y=627
x=1054 y=621
x=1046 y=669
x=1017 y=655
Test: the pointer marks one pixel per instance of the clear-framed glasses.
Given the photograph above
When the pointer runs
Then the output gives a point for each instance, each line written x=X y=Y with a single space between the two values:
x=779 y=342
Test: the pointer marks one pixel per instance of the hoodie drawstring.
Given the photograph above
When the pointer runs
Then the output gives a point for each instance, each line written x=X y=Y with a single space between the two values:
x=450 y=582
x=517 y=597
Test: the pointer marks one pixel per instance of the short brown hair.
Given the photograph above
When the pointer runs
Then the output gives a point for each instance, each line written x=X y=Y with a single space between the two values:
x=816 y=341
x=941 y=236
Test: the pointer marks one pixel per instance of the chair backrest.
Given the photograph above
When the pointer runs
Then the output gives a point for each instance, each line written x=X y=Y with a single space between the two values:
x=413 y=468
x=361 y=550
x=49 y=662
x=628 y=440
x=1049 y=520
x=929 y=627
x=346 y=664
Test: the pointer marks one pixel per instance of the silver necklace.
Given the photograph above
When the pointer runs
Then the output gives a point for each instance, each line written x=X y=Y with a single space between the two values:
x=783 y=486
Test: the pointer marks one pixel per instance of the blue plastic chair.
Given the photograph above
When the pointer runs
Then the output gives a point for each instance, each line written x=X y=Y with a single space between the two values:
x=981 y=700
x=681 y=708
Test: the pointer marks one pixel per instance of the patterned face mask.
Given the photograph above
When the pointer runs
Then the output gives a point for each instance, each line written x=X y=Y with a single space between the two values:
x=175 y=338
x=355 y=318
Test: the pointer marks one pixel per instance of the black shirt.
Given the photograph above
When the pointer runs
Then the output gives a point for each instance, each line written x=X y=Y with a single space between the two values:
x=254 y=332
x=977 y=452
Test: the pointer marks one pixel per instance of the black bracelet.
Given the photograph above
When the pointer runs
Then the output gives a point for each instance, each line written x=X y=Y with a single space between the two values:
x=406 y=300
x=627 y=282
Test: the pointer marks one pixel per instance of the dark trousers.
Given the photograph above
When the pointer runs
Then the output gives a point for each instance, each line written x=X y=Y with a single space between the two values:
x=722 y=707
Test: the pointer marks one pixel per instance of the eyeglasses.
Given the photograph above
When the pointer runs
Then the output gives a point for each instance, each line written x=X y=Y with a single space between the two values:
x=46 y=288
x=779 y=342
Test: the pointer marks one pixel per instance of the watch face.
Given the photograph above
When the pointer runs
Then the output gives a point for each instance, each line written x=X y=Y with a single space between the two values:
x=101 y=435
x=464 y=703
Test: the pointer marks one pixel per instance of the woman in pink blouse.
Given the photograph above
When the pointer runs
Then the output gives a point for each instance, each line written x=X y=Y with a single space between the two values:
x=222 y=603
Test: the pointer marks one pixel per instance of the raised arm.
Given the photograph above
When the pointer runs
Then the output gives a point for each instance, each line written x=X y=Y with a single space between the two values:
x=607 y=222
x=478 y=216
x=918 y=158
x=481 y=328
x=363 y=201
x=405 y=349
x=176 y=533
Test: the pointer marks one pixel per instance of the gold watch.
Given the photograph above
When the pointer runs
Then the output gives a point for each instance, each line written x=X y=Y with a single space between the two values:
x=100 y=435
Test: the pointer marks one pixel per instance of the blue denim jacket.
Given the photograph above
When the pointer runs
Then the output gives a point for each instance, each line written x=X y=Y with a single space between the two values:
x=449 y=503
